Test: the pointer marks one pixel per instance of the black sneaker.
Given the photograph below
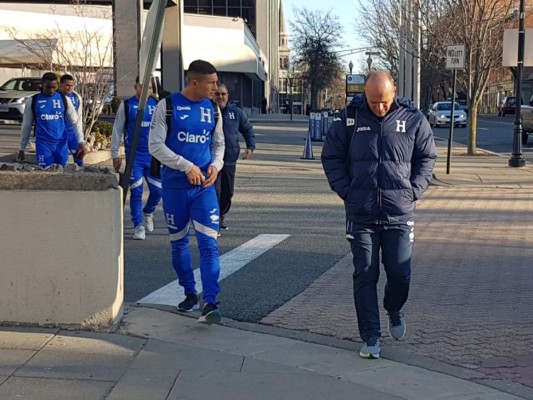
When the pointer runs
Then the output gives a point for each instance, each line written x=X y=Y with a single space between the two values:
x=223 y=226
x=190 y=303
x=210 y=314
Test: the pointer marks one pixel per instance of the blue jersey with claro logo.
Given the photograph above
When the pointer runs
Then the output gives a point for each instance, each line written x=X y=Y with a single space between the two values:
x=50 y=117
x=133 y=105
x=191 y=126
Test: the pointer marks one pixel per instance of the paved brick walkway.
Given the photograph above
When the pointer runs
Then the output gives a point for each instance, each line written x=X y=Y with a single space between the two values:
x=471 y=294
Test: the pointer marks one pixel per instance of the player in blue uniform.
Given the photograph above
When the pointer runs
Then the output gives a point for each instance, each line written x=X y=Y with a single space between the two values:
x=67 y=85
x=124 y=126
x=50 y=113
x=191 y=151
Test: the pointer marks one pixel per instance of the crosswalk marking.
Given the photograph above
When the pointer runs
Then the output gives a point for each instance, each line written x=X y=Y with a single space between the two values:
x=230 y=262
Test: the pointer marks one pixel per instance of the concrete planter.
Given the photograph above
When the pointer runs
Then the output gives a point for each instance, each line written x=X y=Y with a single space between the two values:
x=61 y=248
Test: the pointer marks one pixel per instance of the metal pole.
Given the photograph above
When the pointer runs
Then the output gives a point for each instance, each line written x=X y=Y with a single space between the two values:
x=401 y=51
x=516 y=159
x=452 y=122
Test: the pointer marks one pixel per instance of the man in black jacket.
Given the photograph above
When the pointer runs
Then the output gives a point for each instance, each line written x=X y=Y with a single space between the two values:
x=234 y=121
x=378 y=157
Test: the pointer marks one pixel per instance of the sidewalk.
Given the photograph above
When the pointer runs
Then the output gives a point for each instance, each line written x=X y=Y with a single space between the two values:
x=302 y=351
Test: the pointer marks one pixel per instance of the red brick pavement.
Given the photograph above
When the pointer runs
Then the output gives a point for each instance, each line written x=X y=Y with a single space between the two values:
x=471 y=294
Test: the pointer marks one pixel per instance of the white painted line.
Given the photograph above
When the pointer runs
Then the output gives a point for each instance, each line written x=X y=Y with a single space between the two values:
x=482 y=129
x=230 y=262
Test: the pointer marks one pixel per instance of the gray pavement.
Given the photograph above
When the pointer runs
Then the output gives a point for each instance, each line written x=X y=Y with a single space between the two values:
x=470 y=329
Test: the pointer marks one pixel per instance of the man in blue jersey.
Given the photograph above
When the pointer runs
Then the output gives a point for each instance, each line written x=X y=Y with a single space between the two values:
x=123 y=127
x=50 y=111
x=378 y=157
x=67 y=86
x=191 y=151
x=235 y=121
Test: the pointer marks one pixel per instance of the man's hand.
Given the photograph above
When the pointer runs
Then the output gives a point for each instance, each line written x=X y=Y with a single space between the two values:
x=20 y=156
x=80 y=153
x=195 y=176
x=117 y=163
x=212 y=174
x=247 y=154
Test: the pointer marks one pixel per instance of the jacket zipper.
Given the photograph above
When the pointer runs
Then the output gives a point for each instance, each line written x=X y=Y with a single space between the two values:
x=380 y=167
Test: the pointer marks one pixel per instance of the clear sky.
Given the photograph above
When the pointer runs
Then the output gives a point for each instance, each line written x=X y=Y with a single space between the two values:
x=346 y=10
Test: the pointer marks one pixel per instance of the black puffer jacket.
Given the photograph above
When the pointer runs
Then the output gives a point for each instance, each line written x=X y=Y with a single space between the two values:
x=379 y=166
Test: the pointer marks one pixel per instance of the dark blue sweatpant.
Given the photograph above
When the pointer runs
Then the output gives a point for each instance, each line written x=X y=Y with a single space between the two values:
x=395 y=242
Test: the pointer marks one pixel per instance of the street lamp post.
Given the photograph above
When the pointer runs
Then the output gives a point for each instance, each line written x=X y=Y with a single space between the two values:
x=516 y=159
x=369 y=59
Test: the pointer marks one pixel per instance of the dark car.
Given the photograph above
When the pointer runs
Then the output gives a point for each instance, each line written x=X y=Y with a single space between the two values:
x=508 y=106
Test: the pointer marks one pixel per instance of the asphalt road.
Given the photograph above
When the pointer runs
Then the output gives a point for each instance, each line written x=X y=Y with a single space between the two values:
x=276 y=193
x=494 y=134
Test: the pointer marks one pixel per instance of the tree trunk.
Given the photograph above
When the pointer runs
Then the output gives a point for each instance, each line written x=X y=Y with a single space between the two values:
x=472 y=134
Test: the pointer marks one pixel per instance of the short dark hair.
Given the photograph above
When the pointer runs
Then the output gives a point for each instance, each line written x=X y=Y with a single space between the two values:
x=66 y=77
x=201 y=67
x=49 y=76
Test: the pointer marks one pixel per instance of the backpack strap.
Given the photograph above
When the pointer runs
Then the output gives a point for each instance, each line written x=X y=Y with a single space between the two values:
x=126 y=115
x=217 y=113
x=65 y=102
x=168 y=115
x=34 y=104
x=350 y=125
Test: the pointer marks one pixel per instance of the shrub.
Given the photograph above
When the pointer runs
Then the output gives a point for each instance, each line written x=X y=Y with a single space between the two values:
x=103 y=127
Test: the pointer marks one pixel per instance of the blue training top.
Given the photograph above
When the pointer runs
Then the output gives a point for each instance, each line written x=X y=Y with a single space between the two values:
x=50 y=117
x=191 y=126
x=133 y=105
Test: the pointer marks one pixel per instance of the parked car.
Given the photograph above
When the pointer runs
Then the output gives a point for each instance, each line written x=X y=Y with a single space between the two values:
x=440 y=114
x=508 y=106
x=13 y=96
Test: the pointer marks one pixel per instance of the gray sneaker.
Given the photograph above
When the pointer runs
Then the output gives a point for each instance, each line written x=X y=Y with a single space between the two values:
x=370 y=349
x=397 y=326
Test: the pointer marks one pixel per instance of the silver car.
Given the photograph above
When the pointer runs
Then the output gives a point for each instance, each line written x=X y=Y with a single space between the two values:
x=440 y=114
x=13 y=96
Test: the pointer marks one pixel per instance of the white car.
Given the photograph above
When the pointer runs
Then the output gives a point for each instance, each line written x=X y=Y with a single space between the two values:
x=13 y=96
x=440 y=114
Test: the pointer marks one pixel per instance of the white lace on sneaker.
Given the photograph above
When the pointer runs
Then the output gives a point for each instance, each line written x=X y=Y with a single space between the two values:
x=139 y=233
x=149 y=222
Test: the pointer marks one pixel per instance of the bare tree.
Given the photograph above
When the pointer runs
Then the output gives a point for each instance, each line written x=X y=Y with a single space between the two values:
x=315 y=35
x=85 y=53
x=378 y=24
x=479 y=25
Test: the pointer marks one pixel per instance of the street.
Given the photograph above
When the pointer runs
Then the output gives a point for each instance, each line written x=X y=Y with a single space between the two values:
x=494 y=134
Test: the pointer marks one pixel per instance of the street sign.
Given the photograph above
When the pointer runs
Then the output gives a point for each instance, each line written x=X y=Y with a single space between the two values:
x=355 y=83
x=455 y=57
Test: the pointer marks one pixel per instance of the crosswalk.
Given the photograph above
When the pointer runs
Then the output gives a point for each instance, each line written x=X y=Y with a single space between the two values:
x=230 y=262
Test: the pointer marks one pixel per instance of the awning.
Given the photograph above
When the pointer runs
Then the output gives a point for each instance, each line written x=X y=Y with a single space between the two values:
x=226 y=57
x=15 y=53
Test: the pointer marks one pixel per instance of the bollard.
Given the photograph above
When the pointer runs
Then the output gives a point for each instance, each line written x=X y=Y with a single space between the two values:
x=325 y=124
x=318 y=127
